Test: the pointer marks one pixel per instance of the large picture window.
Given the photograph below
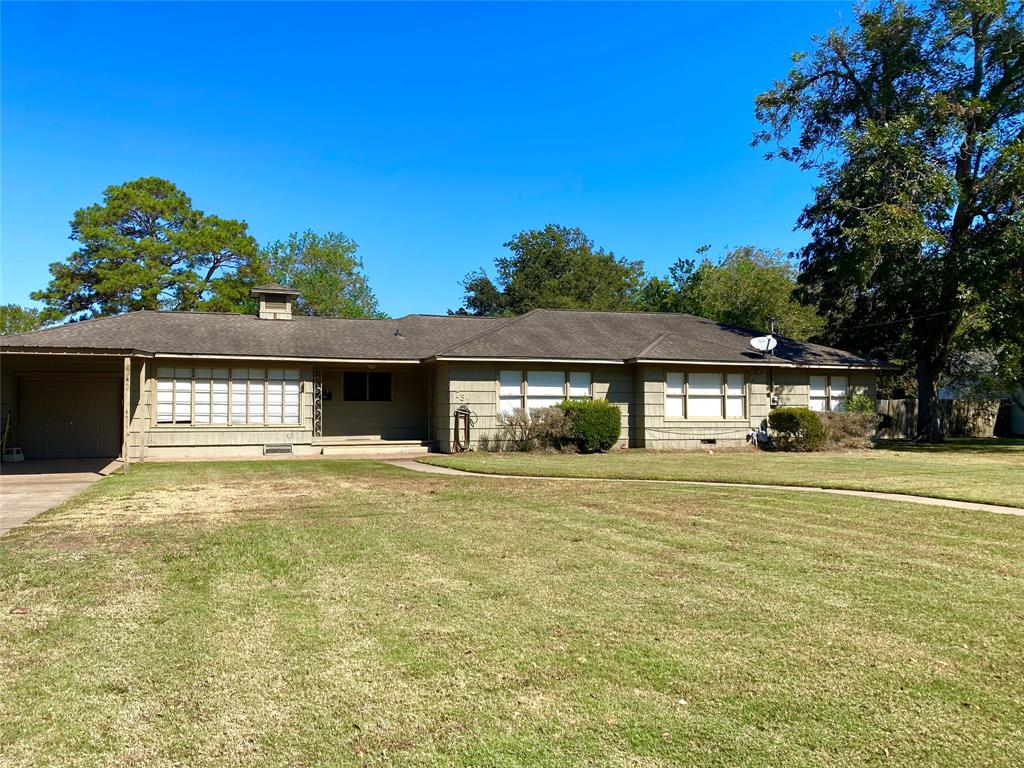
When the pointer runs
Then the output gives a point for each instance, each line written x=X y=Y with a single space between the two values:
x=828 y=393
x=236 y=396
x=541 y=389
x=705 y=395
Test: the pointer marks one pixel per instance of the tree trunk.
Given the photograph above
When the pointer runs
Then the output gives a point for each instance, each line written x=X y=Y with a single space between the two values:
x=929 y=429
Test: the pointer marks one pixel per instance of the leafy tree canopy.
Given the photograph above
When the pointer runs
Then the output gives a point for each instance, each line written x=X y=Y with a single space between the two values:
x=750 y=287
x=914 y=119
x=15 y=318
x=553 y=268
x=146 y=247
x=327 y=271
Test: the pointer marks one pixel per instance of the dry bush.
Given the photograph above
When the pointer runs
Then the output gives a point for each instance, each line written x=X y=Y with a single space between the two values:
x=519 y=430
x=849 y=430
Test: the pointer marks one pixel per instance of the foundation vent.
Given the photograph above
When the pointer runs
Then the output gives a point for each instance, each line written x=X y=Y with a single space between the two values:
x=278 y=449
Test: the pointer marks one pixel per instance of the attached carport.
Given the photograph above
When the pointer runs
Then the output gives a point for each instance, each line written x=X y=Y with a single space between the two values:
x=65 y=405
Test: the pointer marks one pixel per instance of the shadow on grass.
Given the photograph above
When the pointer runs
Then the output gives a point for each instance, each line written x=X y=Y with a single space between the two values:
x=999 y=445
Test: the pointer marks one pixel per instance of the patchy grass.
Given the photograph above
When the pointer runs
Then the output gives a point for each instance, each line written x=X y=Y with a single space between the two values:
x=987 y=471
x=351 y=613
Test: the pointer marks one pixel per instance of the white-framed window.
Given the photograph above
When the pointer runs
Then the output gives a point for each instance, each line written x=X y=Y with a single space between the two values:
x=828 y=393
x=237 y=396
x=735 y=396
x=541 y=389
x=544 y=389
x=174 y=396
x=705 y=395
x=211 y=396
x=675 y=391
x=579 y=386
x=838 y=392
x=510 y=391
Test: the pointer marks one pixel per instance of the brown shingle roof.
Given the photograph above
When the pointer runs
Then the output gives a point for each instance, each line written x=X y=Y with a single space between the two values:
x=186 y=333
x=571 y=335
x=541 y=334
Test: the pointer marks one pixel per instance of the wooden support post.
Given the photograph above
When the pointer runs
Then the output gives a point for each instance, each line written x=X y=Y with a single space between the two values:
x=126 y=418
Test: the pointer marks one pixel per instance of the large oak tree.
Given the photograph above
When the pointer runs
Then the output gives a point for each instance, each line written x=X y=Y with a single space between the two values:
x=914 y=118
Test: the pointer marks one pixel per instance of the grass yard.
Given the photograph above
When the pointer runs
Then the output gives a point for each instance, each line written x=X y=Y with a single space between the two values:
x=988 y=471
x=307 y=613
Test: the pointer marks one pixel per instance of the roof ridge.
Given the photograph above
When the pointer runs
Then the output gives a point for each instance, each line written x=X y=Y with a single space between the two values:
x=633 y=312
x=657 y=339
x=437 y=314
x=487 y=332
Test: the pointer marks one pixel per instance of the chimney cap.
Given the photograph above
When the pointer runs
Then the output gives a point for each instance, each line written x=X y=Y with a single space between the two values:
x=260 y=290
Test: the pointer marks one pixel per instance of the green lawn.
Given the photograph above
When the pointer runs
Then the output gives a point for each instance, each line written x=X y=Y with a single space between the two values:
x=989 y=471
x=308 y=613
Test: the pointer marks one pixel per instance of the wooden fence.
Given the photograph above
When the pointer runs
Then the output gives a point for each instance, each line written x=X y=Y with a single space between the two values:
x=959 y=418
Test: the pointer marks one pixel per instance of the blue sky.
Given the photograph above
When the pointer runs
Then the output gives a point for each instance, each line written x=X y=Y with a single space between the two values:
x=428 y=133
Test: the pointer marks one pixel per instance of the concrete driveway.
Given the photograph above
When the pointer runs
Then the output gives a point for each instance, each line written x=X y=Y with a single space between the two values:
x=30 y=487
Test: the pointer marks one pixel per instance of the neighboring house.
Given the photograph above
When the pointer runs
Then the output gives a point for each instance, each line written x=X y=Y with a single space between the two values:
x=1017 y=415
x=167 y=384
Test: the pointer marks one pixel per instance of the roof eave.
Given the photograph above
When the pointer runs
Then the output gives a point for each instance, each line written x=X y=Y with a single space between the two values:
x=767 y=362
x=528 y=359
x=70 y=351
x=289 y=359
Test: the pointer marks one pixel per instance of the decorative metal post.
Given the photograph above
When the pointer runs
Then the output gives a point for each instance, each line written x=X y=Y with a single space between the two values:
x=318 y=402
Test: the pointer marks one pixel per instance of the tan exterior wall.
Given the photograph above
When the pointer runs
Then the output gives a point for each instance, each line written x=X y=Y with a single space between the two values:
x=662 y=432
x=443 y=410
x=475 y=385
x=792 y=386
x=423 y=402
x=404 y=417
x=162 y=441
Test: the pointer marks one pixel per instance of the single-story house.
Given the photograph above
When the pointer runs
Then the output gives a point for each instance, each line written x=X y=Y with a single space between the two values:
x=153 y=385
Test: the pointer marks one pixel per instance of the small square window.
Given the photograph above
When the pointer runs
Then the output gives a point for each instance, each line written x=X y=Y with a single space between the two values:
x=379 y=387
x=354 y=385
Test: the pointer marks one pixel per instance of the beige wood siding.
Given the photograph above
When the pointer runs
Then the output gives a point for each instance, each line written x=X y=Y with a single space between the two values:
x=178 y=441
x=670 y=433
x=442 y=408
x=476 y=386
x=791 y=385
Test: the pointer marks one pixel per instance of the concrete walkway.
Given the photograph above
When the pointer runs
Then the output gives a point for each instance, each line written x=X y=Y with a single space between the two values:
x=28 y=488
x=434 y=469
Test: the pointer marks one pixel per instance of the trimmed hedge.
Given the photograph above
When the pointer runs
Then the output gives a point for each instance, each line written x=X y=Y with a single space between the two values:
x=796 y=429
x=594 y=425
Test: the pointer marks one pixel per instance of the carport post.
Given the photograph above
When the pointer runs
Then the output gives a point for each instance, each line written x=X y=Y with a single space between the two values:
x=126 y=415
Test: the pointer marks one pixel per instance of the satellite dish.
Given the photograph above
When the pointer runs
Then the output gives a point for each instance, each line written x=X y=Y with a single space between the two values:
x=764 y=343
